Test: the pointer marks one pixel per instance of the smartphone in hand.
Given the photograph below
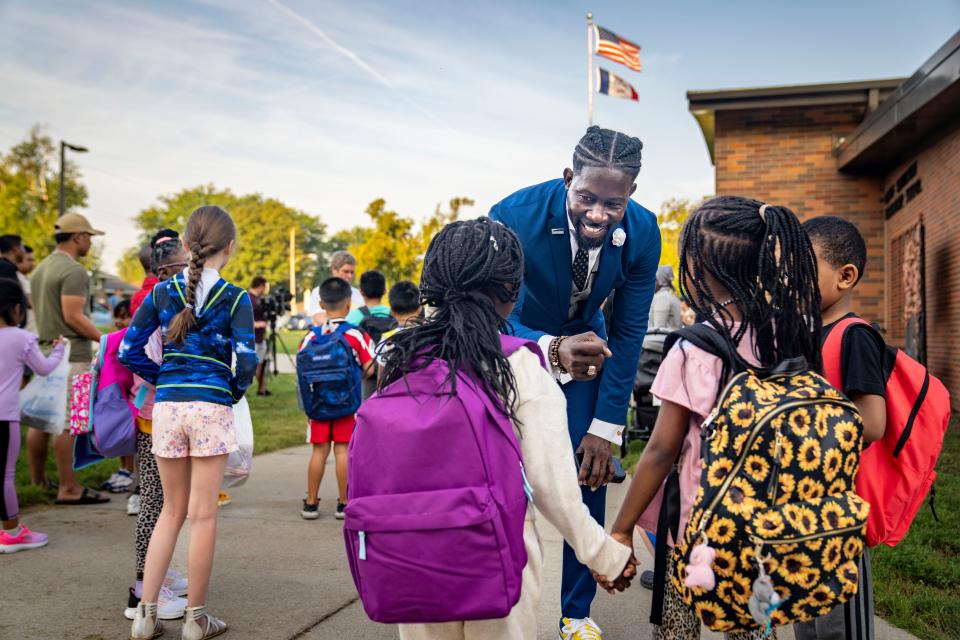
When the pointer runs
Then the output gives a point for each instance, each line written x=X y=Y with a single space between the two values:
x=619 y=475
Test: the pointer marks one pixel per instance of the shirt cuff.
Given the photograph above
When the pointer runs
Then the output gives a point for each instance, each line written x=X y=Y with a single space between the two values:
x=544 y=344
x=607 y=430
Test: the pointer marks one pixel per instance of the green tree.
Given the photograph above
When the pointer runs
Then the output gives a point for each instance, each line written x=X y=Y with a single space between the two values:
x=395 y=245
x=673 y=213
x=263 y=234
x=29 y=191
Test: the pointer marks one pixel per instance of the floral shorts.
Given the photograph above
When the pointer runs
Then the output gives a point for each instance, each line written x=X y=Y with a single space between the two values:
x=198 y=429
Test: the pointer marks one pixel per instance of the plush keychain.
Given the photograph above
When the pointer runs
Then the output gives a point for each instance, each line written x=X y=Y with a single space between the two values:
x=700 y=567
x=764 y=600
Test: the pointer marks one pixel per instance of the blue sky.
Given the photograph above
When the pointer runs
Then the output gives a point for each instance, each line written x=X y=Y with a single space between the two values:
x=328 y=105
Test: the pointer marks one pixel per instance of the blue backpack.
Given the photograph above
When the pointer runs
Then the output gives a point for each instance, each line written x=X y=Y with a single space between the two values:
x=329 y=376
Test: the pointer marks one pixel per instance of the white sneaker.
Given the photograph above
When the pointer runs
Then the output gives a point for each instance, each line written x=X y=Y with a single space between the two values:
x=176 y=582
x=133 y=504
x=169 y=606
x=579 y=629
x=120 y=482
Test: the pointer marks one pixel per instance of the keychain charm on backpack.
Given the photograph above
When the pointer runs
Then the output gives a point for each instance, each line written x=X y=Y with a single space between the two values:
x=700 y=568
x=764 y=599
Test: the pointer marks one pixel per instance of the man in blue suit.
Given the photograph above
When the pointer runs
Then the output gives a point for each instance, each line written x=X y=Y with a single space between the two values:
x=583 y=237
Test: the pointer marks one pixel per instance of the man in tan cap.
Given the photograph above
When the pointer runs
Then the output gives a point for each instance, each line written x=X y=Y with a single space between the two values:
x=61 y=291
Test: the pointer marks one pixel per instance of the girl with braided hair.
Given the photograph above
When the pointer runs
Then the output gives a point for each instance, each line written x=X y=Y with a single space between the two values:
x=204 y=322
x=472 y=276
x=749 y=272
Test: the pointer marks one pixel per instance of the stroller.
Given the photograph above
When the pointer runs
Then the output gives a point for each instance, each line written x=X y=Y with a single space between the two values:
x=645 y=407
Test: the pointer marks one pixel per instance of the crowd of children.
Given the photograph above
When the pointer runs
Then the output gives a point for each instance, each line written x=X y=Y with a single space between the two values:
x=189 y=340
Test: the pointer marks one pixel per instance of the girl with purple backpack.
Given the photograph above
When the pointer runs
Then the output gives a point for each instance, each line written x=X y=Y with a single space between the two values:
x=471 y=277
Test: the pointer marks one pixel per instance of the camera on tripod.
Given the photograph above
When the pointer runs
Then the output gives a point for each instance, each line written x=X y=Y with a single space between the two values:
x=276 y=303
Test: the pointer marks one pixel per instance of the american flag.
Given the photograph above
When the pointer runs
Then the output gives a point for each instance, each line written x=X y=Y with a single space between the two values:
x=613 y=47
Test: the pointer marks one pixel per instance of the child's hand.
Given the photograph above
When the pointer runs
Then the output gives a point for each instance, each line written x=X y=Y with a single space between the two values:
x=59 y=340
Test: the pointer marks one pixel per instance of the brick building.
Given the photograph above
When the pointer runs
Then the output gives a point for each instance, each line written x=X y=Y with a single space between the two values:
x=884 y=154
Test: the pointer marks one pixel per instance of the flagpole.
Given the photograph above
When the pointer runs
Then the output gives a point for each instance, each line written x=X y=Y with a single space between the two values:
x=589 y=69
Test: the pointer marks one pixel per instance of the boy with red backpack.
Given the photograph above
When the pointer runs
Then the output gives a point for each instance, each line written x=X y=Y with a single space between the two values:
x=895 y=395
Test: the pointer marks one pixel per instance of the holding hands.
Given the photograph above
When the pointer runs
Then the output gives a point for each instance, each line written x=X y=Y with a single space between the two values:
x=621 y=582
x=582 y=355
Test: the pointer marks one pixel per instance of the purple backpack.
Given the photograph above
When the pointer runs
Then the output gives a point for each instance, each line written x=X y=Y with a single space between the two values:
x=437 y=501
x=112 y=415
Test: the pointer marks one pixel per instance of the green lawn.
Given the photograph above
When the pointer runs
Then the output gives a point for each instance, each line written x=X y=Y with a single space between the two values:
x=917 y=583
x=277 y=423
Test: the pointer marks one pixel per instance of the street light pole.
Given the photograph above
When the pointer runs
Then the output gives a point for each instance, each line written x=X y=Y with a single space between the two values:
x=63 y=165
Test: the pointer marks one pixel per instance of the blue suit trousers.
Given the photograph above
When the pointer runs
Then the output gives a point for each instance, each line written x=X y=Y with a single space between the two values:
x=578 y=587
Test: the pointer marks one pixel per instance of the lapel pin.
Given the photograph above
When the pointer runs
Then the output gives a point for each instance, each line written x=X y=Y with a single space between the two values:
x=557 y=232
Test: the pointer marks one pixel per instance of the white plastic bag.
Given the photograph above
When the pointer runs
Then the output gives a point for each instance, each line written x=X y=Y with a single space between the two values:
x=240 y=461
x=43 y=402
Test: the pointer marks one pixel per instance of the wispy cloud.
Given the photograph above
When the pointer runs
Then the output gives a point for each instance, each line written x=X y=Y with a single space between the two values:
x=353 y=57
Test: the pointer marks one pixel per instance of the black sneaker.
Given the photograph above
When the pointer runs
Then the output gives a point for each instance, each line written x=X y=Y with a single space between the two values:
x=340 y=515
x=310 y=511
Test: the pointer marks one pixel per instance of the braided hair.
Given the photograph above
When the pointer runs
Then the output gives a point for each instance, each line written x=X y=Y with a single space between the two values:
x=209 y=230
x=765 y=260
x=467 y=264
x=610 y=149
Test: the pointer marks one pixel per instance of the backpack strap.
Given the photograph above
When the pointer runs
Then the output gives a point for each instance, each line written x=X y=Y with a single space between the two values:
x=833 y=350
x=365 y=311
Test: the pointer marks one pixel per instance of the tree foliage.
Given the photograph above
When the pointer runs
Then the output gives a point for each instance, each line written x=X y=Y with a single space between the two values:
x=673 y=213
x=396 y=244
x=263 y=234
x=30 y=195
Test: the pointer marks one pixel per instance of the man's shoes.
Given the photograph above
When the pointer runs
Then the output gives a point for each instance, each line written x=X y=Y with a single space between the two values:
x=120 y=482
x=646 y=580
x=579 y=629
x=310 y=511
x=133 y=504
x=340 y=515
x=265 y=392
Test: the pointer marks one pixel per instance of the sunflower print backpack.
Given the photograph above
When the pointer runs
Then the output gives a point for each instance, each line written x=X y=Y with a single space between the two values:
x=776 y=503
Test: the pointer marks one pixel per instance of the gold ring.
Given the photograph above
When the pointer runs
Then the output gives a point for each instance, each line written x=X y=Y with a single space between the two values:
x=592 y=370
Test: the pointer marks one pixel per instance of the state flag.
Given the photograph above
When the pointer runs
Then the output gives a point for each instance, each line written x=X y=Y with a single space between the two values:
x=613 y=85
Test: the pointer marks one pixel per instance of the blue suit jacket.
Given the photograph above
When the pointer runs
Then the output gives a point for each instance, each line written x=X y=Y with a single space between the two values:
x=534 y=214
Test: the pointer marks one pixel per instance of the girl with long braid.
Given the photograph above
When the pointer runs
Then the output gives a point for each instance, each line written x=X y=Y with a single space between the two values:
x=204 y=322
x=472 y=276
x=749 y=271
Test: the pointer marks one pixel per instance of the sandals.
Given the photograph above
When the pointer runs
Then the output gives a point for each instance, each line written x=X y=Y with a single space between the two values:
x=145 y=624
x=194 y=630
x=89 y=496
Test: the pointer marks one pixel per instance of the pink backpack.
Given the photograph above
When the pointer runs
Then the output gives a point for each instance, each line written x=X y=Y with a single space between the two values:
x=80 y=403
x=437 y=501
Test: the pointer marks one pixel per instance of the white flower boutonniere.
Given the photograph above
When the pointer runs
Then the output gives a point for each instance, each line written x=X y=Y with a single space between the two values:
x=619 y=237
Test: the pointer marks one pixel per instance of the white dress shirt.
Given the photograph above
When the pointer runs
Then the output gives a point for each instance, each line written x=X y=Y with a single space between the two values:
x=606 y=430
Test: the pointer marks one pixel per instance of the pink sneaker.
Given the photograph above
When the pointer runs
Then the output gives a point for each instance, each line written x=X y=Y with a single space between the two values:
x=26 y=540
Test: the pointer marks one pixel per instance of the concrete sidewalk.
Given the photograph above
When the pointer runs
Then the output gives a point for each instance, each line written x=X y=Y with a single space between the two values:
x=277 y=577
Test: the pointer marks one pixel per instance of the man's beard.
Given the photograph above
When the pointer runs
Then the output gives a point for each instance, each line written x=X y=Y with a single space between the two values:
x=585 y=242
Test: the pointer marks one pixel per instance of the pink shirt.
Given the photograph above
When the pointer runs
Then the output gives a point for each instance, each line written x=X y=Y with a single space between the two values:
x=19 y=348
x=154 y=350
x=689 y=377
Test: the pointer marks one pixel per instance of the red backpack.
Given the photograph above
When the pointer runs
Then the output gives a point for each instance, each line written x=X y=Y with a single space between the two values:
x=896 y=472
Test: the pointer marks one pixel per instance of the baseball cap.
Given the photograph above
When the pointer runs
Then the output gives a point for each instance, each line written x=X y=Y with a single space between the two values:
x=74 y=223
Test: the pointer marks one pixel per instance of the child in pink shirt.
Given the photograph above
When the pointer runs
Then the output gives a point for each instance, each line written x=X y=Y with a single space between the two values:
x=19 y=348
x=734 y=254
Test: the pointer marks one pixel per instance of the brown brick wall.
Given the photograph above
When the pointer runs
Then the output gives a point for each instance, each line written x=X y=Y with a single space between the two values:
x=784 y=156
x=938 y=168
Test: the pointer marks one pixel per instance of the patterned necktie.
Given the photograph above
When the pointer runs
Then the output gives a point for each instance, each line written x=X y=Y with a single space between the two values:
x=580 y=264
